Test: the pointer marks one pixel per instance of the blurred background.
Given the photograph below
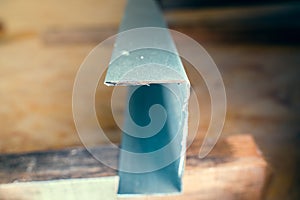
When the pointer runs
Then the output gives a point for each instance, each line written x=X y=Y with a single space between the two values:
x=255 y=44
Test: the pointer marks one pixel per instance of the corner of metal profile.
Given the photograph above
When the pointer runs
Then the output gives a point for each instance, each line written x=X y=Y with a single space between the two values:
x=147 y=88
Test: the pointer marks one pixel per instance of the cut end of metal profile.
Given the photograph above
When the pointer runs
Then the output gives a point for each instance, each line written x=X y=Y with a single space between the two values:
x=161 y=172
x=151 y=68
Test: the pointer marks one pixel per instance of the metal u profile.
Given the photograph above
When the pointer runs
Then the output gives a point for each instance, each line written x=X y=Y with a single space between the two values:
x=154 y=134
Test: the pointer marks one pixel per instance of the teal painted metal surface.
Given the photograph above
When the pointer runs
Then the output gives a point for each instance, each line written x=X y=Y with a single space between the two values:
x=158 y=91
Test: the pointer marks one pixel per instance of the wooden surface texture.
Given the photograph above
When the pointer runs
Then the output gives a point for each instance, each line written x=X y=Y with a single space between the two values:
x=235 y=169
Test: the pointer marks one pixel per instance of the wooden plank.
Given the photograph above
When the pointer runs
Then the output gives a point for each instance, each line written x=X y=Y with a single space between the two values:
x=104 y=188
x=235 y=169
x=68 y=174
x=52 y=165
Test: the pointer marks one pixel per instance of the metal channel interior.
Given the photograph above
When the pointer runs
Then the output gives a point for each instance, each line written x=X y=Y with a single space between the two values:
x=168 y=178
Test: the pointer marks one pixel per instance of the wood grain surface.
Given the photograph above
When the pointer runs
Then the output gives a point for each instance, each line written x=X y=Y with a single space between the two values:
x=234 y=160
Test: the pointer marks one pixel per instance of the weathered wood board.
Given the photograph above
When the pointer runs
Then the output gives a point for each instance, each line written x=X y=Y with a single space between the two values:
x=235 y=169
